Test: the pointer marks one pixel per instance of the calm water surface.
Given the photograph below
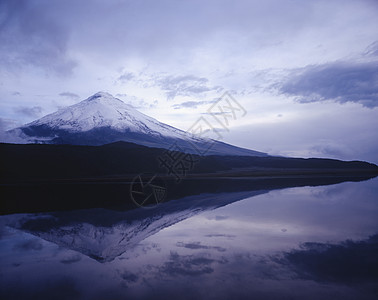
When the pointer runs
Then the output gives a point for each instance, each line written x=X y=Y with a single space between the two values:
x=296 y=243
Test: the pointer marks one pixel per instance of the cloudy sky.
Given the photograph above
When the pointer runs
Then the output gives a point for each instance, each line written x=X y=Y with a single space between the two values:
x=306 y=72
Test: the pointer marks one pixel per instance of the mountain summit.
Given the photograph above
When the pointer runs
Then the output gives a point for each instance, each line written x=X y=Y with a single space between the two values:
x=102 y=119
x=102 y=110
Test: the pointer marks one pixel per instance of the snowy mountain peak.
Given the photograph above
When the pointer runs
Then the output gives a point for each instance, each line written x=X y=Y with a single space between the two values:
x=102 y=96
x=102 y=119
x=102 y=110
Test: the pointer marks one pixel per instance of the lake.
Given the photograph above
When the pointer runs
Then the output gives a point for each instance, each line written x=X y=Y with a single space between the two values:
x=312 y=242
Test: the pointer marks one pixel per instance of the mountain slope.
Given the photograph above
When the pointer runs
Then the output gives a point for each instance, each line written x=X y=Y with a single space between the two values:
x=103 y=119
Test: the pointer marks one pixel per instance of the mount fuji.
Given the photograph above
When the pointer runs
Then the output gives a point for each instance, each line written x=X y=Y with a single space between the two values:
x=103 y=119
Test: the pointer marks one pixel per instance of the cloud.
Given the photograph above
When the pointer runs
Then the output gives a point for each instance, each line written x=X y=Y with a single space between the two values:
x=337 y=81
x=33 y=112
x=190 y=104
x=137 y=102
x=6 y=124
x=328 y=149
x=31 y=36
x=185 y=85
x=371 y=50
x=69 y=95
x=8 y=137
x=126 y=77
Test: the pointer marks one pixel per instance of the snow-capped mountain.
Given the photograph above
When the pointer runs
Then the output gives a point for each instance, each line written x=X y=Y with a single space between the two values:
x=103 y=119
x=103 y=110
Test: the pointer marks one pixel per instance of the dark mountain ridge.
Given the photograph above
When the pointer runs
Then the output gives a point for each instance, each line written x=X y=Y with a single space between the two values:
x=43 y=161
x=42 y=177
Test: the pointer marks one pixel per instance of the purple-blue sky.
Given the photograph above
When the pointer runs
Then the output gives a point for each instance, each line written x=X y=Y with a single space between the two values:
x=305 y=71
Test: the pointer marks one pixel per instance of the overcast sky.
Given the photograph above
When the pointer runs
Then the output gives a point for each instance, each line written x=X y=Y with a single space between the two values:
x=306 y=72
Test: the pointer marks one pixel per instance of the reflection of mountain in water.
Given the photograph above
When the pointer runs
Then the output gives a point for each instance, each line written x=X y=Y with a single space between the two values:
x=54 y=196
x=105 y=234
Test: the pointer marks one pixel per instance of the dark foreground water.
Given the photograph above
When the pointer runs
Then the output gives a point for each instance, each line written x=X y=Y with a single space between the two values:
x=295 y=243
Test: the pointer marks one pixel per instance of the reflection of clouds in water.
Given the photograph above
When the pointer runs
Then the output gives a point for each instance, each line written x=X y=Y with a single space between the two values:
x=218 y=217
x=71 y=259
x=152 y=246
x=16 y=264
x=229 y=236
x=28 y=245
x=242 y=276
x=247 y=254
x=197 y=245
x=128 y=276
x=189 y=265
x=346 y=262
x=59 y=288
x=3 y=232
x=63 y=288
x=324 y=213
